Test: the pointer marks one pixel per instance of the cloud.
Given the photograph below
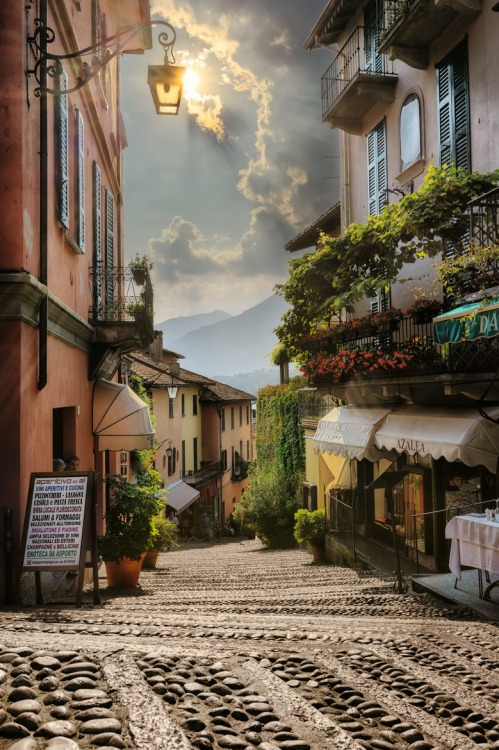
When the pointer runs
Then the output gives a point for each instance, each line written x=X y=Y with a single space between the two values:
x=258 y=179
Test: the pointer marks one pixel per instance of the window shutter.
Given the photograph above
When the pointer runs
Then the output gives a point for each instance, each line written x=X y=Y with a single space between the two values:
x=374 y=62
x=461 y=107
x=62 y=154
x=109 y=240
x=453 y=108
x=376 y=168
x=97 y=235
x=80 y=151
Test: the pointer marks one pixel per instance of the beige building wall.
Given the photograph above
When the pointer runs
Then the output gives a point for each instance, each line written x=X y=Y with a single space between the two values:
x=191 y=428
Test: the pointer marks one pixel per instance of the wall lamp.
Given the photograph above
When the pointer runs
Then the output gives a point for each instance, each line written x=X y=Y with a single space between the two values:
x=169 y=451
x=172 y=390
x=165 y=81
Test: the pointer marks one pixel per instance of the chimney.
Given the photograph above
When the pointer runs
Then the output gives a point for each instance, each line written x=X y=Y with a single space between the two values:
x=156 y=347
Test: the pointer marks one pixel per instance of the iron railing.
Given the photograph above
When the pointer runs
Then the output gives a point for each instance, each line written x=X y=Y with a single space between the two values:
x=210 y=471
x=392 y=12
x=340 y=523
x=480 y=355
x=348 y=63
x=484 y=219
x=313 y=406
x=120 y=297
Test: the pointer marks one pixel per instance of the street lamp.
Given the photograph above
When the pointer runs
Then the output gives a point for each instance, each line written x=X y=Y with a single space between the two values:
x=172 y=389
x=165 y=81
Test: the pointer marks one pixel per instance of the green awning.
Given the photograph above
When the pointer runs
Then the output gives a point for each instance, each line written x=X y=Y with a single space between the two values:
x=466 y=323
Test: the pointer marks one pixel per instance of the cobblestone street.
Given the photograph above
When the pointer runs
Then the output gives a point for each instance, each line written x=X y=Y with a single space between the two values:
x=233 y=646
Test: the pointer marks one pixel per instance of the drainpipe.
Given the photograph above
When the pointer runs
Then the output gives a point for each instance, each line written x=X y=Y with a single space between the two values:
x=43 y=219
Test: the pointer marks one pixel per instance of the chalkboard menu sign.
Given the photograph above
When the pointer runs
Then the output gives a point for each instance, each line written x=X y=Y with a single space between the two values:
x=59 y=526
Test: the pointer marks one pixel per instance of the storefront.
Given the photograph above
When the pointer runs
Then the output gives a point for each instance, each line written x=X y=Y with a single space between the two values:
x=408 y=468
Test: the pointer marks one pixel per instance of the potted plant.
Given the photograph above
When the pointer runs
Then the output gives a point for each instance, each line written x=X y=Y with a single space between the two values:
x=310 y=529
x=139 y=265
x=129 y=526
x=424 y=310
x=388 y=320
x=164 y=538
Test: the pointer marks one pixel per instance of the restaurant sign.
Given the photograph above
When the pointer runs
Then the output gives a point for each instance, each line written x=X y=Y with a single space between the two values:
x=467 y=323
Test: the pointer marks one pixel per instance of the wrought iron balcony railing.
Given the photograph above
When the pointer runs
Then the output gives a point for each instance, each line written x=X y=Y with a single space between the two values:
x=484 y=219
x=357 y=56
x=209 y=471
x=120 y=297
x=428 y=357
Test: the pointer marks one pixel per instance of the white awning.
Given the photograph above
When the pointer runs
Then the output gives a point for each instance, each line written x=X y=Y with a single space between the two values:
x=349 y=431
x=180 y=495
x=121 y=420
x=454 y=434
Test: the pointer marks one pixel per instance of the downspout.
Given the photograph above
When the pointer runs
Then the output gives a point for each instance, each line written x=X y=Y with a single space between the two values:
x=43 y=202
x=345 y=198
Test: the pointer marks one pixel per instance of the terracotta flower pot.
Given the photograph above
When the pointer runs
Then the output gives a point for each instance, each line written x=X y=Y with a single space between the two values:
x=124 y=574
x=150 y=559
x=318 y=551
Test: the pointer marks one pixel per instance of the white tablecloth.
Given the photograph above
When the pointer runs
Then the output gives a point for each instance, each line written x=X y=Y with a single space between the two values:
x=475 y=543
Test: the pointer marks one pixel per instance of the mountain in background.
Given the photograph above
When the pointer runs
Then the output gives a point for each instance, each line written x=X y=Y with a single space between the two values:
x=175 y=328
x=237 y=346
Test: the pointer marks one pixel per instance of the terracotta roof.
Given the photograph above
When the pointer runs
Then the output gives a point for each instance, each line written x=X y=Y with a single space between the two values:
x=328 y=222
x=151 y=371
x=221 y=392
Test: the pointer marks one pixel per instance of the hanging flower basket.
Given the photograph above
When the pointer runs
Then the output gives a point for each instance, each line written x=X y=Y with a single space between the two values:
x=422 y=311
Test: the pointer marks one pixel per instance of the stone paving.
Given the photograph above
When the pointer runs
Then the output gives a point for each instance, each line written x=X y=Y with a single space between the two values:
x=235 y=647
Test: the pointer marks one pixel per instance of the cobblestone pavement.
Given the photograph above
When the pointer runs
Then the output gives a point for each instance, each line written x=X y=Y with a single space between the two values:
x=234 y=647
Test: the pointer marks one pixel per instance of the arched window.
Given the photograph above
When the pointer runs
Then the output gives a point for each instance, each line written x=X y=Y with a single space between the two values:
x=410 y=131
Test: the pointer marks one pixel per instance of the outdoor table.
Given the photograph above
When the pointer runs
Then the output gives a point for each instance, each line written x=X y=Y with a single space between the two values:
x=475 y=544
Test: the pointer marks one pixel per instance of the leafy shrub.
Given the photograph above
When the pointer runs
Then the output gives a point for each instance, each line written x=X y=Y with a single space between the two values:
x=310 y=526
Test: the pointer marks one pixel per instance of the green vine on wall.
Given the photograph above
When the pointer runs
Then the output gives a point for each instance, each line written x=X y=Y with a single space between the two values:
x=368 y=257
x=142 y=462
x=279 y=438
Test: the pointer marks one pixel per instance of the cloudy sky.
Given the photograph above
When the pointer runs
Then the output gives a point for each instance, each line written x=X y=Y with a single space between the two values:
x=213 y=194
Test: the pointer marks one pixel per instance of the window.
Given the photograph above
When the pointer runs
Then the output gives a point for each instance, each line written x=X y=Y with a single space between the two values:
x=109 y=256
x=80 y=180
x=374 y=62
x=231 y=417
x=172 y=462
x=410 y=132
x=183 y=458
x=195 y=452
x=183 y=404
x=222 y=418
x=240 y=449
x=248 y=457
x=453 y=108
x=376 y=169
x=247 y=413
x=97 y=235
x=233 y=459
x=62 y=153
x=194 y=405
x=224 y=460
x=170 y=408
x=240 y=416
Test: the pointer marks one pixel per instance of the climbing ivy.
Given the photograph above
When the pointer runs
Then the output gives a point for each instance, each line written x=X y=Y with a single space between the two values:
x=274 y=492
x=368 y=257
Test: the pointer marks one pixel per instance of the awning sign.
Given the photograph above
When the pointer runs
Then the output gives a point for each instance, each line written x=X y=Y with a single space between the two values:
x=467 y=323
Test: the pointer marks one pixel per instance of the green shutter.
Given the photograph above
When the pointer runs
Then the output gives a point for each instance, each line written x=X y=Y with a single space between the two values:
x=80 y=153
x=109 y=257
x=97 y=234
x=453 y=108
x=376 y=169
x=62 y=153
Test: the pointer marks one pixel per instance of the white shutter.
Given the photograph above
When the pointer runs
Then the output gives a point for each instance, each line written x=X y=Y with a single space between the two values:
x=80 y=152
x=62 y=153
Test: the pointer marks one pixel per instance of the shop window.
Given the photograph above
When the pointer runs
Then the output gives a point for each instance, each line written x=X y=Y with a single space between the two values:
x=410 y=132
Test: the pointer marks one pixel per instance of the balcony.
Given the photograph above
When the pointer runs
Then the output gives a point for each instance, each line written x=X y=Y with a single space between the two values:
x=351 y=85
x=207 y=472
x=411 y=26
x=122 y=312
x=404 y=364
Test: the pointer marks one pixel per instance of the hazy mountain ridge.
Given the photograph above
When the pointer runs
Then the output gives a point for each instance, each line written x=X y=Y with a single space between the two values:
x=175 y=328
x=238 y=345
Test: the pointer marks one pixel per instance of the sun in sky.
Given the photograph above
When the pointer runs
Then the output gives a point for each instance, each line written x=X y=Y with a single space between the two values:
x=192 y=79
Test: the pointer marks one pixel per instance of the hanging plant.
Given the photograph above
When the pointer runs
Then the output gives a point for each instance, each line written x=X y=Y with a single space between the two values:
x=368 y=257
